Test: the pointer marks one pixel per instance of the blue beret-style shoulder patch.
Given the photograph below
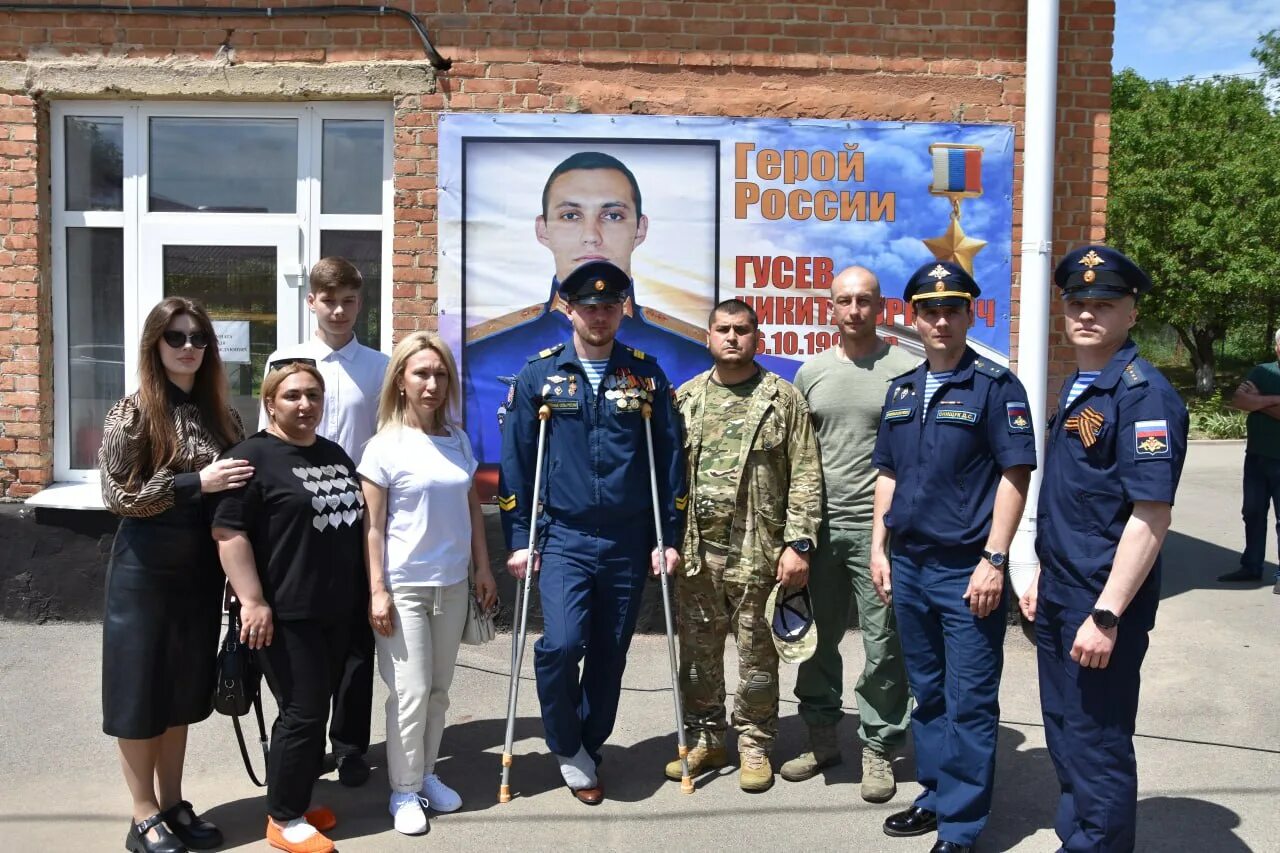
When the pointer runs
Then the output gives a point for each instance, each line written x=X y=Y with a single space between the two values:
x=546 y=353
x=990 y=368
x=1133 y=375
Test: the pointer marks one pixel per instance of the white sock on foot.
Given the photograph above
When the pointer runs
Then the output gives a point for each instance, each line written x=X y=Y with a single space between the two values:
x=578 y=771
x=297 y=830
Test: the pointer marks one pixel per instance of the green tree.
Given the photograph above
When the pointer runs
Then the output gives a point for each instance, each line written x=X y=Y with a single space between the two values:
x=1268 y=53
x=1195 y=199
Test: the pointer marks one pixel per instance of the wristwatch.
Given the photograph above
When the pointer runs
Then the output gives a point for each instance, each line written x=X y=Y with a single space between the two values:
x=997 y=559
x=1105 y=619
x=801 y=546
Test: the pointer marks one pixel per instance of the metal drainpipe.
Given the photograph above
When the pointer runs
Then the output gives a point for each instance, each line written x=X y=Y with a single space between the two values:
x=1037 y=230
x=437 y=61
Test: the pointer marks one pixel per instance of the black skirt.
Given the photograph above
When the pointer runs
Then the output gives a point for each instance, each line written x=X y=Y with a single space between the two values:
x=160 y=626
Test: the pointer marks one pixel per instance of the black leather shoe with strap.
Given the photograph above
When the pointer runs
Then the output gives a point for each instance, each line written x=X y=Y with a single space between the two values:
x=165 y=841
x=191 y=829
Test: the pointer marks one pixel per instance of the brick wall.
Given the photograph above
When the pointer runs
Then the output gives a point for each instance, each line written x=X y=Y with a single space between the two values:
x=959 y=60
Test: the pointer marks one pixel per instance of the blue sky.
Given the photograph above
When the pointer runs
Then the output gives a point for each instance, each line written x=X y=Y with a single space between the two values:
x=1172 y=39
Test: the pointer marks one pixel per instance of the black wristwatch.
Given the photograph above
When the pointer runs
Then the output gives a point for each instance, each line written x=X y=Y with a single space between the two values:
x=801 y=546
x=1105 y=619
x=997 y=559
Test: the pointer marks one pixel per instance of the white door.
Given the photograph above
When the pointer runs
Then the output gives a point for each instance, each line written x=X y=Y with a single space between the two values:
x=250 y=278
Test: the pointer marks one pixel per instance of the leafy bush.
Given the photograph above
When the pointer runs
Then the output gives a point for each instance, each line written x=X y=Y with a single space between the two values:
x=1210 y=418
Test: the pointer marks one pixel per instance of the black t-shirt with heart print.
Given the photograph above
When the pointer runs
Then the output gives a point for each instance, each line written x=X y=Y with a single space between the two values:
x=304 y=514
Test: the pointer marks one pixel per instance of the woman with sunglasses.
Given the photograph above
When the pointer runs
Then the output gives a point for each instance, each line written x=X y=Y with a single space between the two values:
x=291 y=544
x=163 y=596
x=424 y=530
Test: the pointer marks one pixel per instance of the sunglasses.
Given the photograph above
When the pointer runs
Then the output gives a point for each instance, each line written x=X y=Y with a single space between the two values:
x=285 y=362
x=178 y=340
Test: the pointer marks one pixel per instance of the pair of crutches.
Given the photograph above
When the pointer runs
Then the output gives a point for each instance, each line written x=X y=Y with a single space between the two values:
x=522 y=593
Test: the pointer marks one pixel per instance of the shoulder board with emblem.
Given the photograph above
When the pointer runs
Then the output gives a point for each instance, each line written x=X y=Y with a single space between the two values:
x=638 y=355
x=547 y=353
x=990 y=368
x=1133 y=375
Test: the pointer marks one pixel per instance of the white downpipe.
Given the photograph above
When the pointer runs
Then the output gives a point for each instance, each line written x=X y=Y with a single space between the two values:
x=1037 y=231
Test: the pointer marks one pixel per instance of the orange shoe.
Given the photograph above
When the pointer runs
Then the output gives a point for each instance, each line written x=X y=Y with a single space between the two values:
x=313 y=843
x=322 y=818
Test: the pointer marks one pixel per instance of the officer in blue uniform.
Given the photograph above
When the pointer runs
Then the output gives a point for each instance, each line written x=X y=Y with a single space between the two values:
x=1115 y=451
x=596 y=534
x=955 y=450
x=591 y=210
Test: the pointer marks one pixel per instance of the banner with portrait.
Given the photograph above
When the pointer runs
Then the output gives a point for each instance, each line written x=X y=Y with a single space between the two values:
x=701 y=209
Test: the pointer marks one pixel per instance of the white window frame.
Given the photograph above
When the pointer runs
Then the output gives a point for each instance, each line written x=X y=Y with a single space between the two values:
x=134 y=219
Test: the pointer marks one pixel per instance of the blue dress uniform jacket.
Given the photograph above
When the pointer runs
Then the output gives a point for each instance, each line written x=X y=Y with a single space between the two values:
x=487 y=361
x=1122 y=440
x=947 y=462
x=597 y=529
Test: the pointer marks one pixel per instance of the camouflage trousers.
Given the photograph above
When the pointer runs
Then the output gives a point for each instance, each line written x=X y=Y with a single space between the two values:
x=710 y=608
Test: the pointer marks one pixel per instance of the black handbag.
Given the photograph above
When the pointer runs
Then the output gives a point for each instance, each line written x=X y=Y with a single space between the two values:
x=239 y=687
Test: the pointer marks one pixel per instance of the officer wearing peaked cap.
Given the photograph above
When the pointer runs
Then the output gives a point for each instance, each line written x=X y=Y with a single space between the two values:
x=596 y=534
x=1114 y=454
x=955 y=450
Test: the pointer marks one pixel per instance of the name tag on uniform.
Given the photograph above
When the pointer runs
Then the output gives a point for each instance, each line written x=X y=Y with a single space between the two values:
x=1151 y=440
x=968 y=417
x=899 y=413
x=559 y=405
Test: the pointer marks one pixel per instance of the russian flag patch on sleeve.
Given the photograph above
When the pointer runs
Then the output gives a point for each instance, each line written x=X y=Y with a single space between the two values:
x=1151 y=440
x=1019 y=417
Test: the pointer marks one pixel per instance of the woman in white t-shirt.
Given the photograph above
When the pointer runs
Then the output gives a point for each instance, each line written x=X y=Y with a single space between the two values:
x=424 y=529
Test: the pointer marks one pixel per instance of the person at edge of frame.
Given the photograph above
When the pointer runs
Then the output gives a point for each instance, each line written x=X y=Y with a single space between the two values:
x=955 y=451
x=844 y=387
x=1259 y=395
x=596 y=533
x=353 y=376
x=1114 y=454
x=755 y=485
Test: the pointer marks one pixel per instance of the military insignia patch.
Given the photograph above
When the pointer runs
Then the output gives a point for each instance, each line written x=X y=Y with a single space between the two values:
x=902 y=413
x=1151 y=440
x=507 y=503
x=956 y=416
x=1019 y=417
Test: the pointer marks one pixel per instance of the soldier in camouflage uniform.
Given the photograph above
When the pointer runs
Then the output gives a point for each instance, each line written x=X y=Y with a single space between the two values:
x=756 y=498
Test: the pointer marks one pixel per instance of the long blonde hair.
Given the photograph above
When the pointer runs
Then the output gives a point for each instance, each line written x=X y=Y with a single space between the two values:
x=392 y=404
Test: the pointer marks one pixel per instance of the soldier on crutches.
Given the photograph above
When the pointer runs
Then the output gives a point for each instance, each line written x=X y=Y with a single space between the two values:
x=589 y=538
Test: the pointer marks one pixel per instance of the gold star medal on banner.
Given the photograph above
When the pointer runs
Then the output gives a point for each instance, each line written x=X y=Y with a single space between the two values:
x=957 y=174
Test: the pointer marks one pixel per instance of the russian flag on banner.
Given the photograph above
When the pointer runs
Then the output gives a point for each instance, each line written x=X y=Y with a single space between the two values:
x=957 y=169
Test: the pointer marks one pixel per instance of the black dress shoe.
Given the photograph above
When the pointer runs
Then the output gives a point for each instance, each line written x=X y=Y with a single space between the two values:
x=352 y=770
x=191 y=829
x=950 y=847
x=1240 y=576
x=138 y=842
x=910 y=822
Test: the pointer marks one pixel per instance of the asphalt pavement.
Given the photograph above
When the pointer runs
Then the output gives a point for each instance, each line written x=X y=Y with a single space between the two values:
x=1208 y=741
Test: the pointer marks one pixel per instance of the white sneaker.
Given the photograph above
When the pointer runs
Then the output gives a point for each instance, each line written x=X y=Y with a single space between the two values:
x=410 y=819
x=439 y=796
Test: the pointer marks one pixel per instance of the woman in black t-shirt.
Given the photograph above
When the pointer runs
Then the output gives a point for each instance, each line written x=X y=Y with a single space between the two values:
x=291 y=544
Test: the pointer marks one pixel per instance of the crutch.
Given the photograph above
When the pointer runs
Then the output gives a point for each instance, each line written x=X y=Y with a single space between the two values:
x=522 y=593
x=686 y=782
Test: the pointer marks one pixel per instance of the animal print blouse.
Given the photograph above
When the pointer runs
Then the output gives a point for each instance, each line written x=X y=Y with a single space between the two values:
x=122 y=452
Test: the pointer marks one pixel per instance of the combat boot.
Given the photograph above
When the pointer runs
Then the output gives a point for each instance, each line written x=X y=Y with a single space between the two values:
x=824 y=752
x=702 y=757
x=756 y=774
x=878 y=785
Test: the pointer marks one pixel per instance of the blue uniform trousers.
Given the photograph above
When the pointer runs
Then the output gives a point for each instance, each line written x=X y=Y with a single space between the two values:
x=1089 y=718
x=590 y=585
x=954 y=660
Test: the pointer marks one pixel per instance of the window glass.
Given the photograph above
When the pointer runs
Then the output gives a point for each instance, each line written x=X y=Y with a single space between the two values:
x=95 y=335
x=351 y=171
x=95 y=162
x=364 y=249
x=226 y=165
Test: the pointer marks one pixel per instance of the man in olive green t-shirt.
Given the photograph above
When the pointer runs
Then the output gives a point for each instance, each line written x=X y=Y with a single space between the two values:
x=845 y=387
x=1259 y=395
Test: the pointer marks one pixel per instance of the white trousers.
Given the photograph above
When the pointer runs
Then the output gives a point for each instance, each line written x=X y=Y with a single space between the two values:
x=417 y=662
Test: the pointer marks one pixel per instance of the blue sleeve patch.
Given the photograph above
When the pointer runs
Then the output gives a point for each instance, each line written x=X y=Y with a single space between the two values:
x=1019 y=417
x=1151 y=440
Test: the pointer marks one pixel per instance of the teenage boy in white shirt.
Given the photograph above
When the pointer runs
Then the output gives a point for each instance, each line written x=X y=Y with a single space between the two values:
x=352 y=379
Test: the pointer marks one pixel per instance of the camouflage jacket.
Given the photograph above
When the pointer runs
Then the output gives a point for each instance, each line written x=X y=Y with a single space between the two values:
x=778 y=477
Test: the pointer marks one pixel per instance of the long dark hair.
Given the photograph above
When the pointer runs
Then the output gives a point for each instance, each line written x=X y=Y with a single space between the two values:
x=209 y=392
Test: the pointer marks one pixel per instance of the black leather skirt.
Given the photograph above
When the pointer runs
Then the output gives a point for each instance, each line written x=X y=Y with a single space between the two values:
x=160 y=626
